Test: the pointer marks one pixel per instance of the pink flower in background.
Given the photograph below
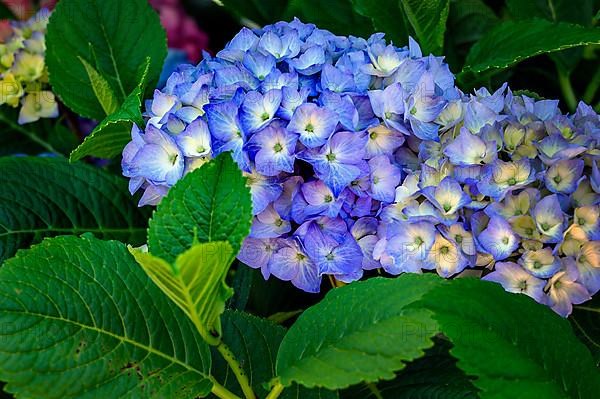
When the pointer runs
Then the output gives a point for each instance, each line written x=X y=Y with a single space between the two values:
x=24 y=9
x=182 y=31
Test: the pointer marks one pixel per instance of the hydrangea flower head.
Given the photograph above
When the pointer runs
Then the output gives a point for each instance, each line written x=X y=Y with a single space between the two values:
x=362 y=155
x=23 y=73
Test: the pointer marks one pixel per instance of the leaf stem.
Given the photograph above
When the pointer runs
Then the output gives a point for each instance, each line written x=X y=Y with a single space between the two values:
x=374 y=390
x=221 y=392
x=567 y=89
x=237 y=369
x=592 y=87
x=276 y=391
x=29 y=135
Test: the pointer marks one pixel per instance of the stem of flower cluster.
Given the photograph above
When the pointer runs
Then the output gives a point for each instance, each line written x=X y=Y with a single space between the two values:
x=567 y=89
x=374 y=390
x=276 y=391
x=237 y=369
x=592 y=88
x=221 y=392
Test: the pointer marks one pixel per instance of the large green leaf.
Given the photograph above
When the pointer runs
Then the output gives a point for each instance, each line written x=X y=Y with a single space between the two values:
x=334 y=15
x=42 y=197
x=469 y=20
x=195 y=282
x=361 y=332
x=80 y=319
x=387 y=16
x=256 y=341
x=515 y=347
x=114 y=37
x=433 y=376
x=428 y=19
x=108 y=139
x=580 y=13
x=586 y=323
x=514 y=41
x=211 y=203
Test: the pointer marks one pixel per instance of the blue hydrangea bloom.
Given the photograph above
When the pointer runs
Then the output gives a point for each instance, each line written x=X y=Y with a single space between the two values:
x=362 y=155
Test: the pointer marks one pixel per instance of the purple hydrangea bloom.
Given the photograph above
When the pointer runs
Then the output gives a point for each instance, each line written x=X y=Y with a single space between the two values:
x=362 y=155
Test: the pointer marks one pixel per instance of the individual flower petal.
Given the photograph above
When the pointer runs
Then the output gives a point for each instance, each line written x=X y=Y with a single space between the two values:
x=314 y=124
x=514 y=279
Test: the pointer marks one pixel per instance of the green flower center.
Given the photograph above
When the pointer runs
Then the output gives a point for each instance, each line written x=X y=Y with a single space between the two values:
x=265 y=116
x=328 y=198
x=330 y=157
x=512 y=181
x=277 y=147
x=309 y=128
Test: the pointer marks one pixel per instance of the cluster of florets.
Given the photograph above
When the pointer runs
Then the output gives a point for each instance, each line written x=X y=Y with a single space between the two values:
x=23 y=73
x=361 y=155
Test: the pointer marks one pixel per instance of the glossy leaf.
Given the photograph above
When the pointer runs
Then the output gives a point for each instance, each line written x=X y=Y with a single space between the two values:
x=195 y=282
x=256 y=341
x=41 y=197
x=211 y=203
x=500 y=49
x=513 y=345
x=585 y=320
x=329 y=346
x=433 y=376
x=387 y=16
x=110 y=136
x=334 y=15
x=112 y=36
x=428 y=19
x=81 y=320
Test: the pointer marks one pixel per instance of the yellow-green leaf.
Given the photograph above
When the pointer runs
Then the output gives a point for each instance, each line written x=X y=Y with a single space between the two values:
x=195 y=282
x=104 y=93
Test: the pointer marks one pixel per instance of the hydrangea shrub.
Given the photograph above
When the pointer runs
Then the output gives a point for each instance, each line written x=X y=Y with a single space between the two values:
x=361 y=155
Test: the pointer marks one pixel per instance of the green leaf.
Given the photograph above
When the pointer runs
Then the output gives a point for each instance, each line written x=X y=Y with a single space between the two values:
x=553 y=10
x=255 y=342
x=6 y=12
x=513 y=345
x=113 y=36
x=41 y=197
x=585 y=320
x=104 y=93
x=386 y=16
x=433 y=376
x=332 y=347
x=500 y=48
x=469 y=20
x=195 y=282
x=261 y=12
x=108 y=138
x=334 y=15
x=81 y=320
x=242 y=282
x=428 y=19
x=211 y=203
